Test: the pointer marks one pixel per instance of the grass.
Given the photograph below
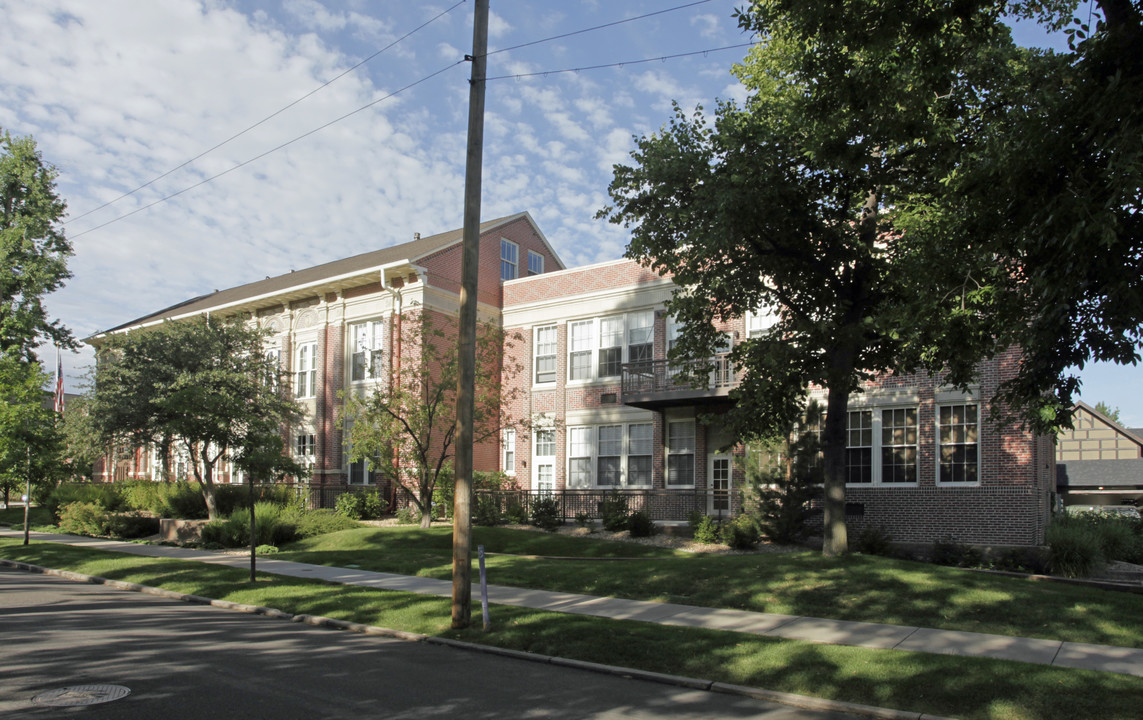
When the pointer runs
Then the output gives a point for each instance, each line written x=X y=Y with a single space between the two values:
x=968 y=688
x=855 y=587
x=38 y=518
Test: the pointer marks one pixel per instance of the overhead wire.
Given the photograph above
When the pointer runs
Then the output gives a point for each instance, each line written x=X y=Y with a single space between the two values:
x=618 y=64
x=269 y=117
x=267 y=152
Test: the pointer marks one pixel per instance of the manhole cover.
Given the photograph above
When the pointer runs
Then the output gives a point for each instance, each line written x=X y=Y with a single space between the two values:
x=81 y=695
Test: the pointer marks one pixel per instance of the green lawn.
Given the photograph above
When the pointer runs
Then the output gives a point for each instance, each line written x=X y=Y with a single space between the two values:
x=38 y=517
x=855 y=587
x=966 y=688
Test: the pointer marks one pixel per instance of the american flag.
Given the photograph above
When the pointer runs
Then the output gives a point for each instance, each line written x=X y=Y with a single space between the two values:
x=59 y=399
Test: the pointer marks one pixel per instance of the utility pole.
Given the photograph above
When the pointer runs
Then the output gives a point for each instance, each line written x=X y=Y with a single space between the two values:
x=466 y=342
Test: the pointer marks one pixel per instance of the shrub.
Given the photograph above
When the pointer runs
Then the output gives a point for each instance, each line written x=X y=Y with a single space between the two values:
x=367 y=505
x=873 y=540
x=582 y=519
x=1075 y=549
x=1026 y=560
x=132 y=525
x=947 y=551
x=272 y=526
x=349 y=505
x=84 y=518
x=704 y=528
x=487 y=512
x=321 y=522
x=408 y=515
x=265 y=550
x=105 y=495
x=740 y=533
x=546 y=514
x=515 y=513
x=640 y=524
x=614 y=511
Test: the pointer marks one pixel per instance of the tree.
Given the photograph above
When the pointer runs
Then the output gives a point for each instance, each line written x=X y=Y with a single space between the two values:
x=788 y=205
x=407 y=428
x=33 y=249
x=1107 y=410
x=30 y=442
x=203 y=383
x=1033 y=232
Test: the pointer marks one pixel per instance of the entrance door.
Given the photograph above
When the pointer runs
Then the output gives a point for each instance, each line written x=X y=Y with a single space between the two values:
x=718 y=480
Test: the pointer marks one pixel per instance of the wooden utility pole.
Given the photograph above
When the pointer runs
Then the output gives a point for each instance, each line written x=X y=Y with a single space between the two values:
x=466 y=343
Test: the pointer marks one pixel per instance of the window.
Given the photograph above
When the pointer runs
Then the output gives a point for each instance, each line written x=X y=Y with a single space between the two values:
x=358 y=473
x=859 y=447
x=640 y=336
x=609 y=455
x=509 y=260
x=508 y=460
x=535 y=263
x=899 y=445
x=544 y=460
x=580 y=346
x=273 y=366
x=758 y=322
x=304 y=449
x=681 y=453
x=545 y=354
x=368 y=339
x=958 y=432
x=579 y=457
x=610 y=346
x=881 y=446
x=305 y=371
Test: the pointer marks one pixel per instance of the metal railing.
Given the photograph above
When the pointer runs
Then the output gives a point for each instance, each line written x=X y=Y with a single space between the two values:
x=659 y=505
x=657 y=376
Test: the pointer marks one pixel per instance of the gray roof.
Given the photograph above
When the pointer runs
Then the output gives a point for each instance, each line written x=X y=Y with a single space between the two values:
x=410 y=251
x=1089 y=474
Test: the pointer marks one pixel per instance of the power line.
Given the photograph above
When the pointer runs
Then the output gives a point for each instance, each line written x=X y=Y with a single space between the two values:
x=268 y=152
x=620 y=64
x=598 y=27
x=271 y=116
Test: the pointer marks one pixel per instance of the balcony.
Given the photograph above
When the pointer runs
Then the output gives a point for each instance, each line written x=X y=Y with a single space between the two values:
x=657 y=384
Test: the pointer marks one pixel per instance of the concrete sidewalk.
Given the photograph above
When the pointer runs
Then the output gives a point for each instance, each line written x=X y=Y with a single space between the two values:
x=1106 y=658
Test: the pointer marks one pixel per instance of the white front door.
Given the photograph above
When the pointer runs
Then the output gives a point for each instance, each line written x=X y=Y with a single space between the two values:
x=718 y=480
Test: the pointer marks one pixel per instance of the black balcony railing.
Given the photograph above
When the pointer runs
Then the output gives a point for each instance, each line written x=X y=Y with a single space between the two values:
x=657 y=381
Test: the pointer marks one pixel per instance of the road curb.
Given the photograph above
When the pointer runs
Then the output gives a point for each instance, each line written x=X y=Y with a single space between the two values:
x=800 y=701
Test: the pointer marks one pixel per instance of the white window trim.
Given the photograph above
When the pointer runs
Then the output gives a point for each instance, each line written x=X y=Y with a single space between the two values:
x=937 y=441
x=596 y=324
x=624 y=456
x=539 y=461
x=508 y=447
x=376 y=340
x=667 y=456
x=765 y=319
x=533 y=255
x=310 y=391
x=875 y=449
x=555 y=355
x=514 y=263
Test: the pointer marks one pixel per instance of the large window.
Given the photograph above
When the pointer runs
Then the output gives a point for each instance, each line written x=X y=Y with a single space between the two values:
x=305 y=370
x=509 y=260
x=368 y=339
x=758 y=322
x=881 y=446
x=597 y=348
x=544 y=351
x=609 y=455
x=273 y=366
x=535 y=263
x=959 y=438
x=304 y=449
x=681 y=453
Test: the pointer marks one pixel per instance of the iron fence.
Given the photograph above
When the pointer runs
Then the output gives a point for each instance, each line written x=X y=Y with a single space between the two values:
x=659 y=505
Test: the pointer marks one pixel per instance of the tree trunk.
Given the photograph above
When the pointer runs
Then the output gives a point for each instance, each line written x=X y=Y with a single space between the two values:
x=834 y=539
x=205 y=481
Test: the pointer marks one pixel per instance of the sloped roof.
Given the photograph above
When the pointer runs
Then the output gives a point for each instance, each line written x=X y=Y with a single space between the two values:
x=1133 y=435
x=315 y=276
x=1107 y=474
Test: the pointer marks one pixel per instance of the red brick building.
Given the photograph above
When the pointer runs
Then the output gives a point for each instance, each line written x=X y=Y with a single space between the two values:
x=599 y=402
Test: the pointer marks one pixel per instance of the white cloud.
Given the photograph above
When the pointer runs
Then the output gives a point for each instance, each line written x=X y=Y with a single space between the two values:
x=708 y=26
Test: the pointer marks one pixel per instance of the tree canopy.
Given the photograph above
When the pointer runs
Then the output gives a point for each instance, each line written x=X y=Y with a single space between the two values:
x=204 y=384
x=33 y=249
x=30 y=440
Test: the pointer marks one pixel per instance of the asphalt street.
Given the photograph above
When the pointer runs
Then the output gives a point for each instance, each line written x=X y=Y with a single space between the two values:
x=180 y=660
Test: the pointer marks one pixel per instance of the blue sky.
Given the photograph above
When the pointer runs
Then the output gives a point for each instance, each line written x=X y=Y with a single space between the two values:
x=120 y=92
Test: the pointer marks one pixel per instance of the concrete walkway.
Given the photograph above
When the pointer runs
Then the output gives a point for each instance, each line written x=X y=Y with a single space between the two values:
x=1106 y=658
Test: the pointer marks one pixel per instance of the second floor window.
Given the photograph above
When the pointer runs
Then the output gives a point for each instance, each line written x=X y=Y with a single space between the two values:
x=545 y=354
x=508 y=464
x=535 y=263
x=305 y=371
x=509 y=260
x=597 y=348
x=368 y=339
x=304 y=448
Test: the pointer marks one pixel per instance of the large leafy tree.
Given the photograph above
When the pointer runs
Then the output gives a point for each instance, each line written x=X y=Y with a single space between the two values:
x=204 y=384
x=31 y=445
x=33 y=249
x=788 y=204
x=406 y=428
